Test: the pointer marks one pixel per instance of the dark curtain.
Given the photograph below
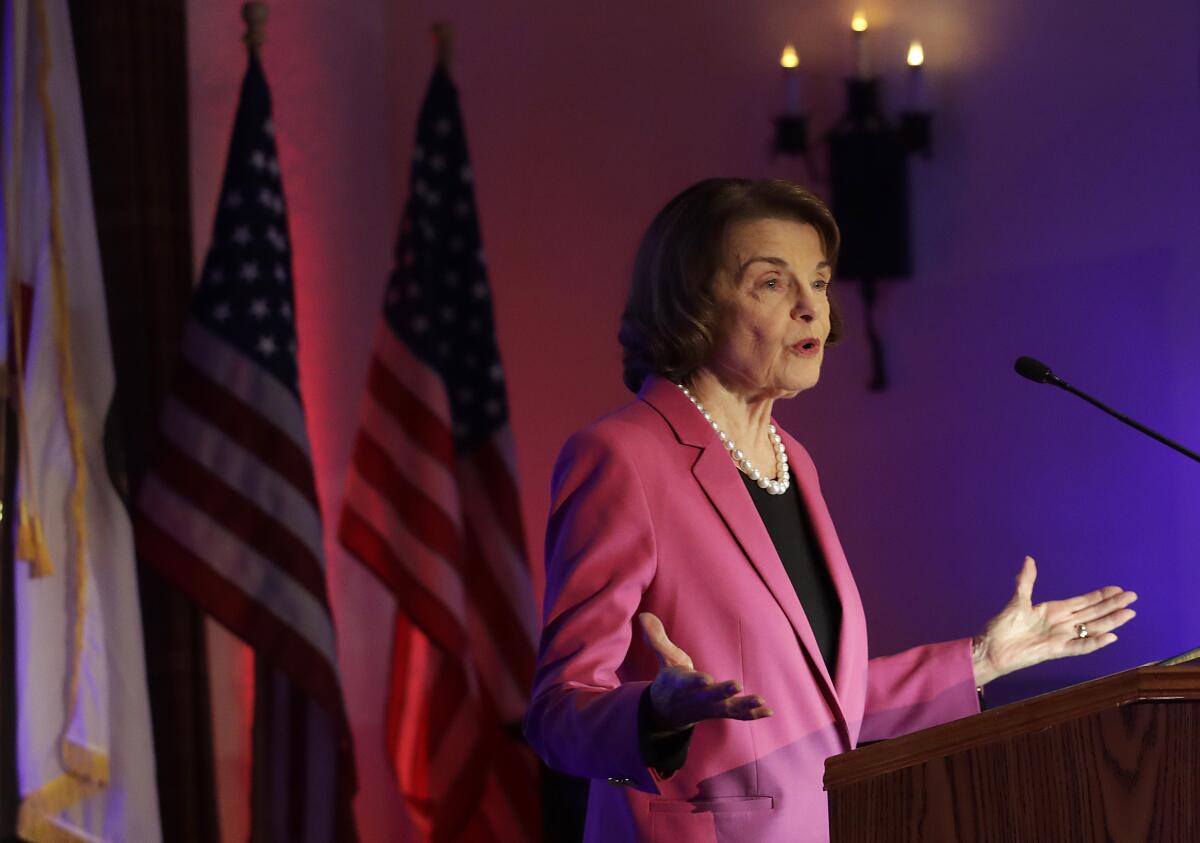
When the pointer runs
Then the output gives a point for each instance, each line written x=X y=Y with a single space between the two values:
x=132 y=57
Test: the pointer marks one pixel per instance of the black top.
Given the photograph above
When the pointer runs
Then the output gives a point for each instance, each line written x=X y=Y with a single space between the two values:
x=786 y=519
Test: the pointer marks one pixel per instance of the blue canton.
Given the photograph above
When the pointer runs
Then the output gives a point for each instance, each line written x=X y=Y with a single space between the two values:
x=245 y=291
x=438 y=300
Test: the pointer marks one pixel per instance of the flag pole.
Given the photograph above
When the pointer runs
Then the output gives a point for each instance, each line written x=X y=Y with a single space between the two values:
x=255 y=15
x=443 y=42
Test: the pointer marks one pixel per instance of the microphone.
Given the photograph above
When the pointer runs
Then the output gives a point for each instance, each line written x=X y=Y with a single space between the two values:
x=1038 y=372
x=1035 y=370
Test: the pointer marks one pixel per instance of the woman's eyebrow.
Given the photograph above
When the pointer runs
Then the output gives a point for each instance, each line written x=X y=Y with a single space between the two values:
x=776 y=262
x=779 y=262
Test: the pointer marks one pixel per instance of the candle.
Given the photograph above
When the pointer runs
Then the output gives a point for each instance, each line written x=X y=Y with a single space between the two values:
x=790 y=62
x=918 y=95
x=862 y=63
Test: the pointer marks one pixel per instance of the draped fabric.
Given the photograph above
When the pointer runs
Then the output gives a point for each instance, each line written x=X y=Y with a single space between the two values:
x=432 y=510
x=84 y=753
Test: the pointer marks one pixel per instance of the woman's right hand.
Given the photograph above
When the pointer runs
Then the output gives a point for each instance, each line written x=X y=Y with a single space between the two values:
x=682 y=696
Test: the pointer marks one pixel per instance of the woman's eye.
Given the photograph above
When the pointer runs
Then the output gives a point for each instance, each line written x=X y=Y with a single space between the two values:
x=820 y=284
x=771 y=283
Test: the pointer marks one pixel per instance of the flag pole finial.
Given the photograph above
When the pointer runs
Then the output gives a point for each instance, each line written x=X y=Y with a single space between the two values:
x=443 y=42
x=255 y=15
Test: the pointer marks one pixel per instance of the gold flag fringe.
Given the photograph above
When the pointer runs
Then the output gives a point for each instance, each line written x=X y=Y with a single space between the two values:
x=36 y=820
x=31 y=544
x=86 y=769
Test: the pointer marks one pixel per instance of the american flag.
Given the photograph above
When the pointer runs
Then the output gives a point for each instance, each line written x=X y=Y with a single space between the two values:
x=432 y=509
x=229 y=511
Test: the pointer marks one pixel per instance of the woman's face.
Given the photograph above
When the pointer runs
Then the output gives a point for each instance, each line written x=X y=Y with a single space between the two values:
x=773 y=288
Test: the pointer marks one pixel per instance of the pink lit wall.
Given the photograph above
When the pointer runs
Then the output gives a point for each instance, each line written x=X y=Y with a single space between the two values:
x=1058 y=217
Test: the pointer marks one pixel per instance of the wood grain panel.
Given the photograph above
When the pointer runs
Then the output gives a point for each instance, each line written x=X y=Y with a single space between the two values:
x=1137 y=685
x=1127 y=773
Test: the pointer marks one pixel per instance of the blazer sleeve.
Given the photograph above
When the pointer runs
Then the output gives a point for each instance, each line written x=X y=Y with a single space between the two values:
x=600 y=559
x=919 y=688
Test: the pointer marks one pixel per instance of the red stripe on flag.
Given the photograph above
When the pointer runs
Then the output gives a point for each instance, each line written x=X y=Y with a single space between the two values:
x=516 y=767
x=225 y=505
x=460 y=801
x=437 y=705
x=501 y=490
x=246 y=426
x=487 y=597
x=424 y=518
x=245 y=617
x=426 y=610
x=448 y=693
x=408 y=748
x=411 y=413
x=518 y=776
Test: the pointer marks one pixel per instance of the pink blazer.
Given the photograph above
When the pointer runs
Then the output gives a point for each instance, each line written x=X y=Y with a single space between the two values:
x=648 y=514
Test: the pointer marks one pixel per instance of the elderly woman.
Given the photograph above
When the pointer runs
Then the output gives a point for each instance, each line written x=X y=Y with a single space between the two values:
x=689 y=515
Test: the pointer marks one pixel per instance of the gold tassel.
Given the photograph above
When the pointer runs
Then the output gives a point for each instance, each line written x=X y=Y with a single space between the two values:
x=31 y=544
x=84 y=762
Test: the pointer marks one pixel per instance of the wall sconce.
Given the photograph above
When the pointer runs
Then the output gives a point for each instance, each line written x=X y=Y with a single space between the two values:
x=868 y=172
x=915 y=119
x=791 y=127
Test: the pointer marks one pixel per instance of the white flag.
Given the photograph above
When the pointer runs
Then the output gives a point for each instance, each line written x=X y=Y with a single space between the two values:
x=84 y=750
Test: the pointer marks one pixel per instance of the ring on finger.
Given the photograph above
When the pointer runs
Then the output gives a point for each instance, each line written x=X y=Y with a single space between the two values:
x=1081 y=630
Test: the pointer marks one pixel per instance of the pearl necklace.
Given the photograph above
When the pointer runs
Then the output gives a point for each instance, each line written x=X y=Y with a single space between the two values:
x=773 y=487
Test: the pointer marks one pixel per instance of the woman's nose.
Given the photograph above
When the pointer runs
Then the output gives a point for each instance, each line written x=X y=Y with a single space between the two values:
x=803 y=309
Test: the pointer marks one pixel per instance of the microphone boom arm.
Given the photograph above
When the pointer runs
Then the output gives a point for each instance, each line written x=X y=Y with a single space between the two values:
x=1059 y=382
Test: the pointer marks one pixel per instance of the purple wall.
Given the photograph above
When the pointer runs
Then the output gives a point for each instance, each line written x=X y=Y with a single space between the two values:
x=1059 y=218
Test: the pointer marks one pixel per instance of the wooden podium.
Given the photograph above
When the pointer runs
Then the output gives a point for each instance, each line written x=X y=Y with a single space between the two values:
x=1114 y=759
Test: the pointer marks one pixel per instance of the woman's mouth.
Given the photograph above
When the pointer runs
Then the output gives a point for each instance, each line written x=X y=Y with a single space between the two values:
x=810 y=347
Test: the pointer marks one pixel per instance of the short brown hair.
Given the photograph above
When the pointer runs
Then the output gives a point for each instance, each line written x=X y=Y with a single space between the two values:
x=671 y=313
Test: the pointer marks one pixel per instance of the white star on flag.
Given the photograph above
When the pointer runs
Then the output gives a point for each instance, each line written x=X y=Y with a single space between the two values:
x=277 y=239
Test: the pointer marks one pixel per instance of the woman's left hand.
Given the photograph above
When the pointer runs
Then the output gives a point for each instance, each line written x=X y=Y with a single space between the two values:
x=1024 y=634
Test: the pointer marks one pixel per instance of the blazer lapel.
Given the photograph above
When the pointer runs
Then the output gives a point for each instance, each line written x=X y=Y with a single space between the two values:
x=720 y=479
x=851 y=645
